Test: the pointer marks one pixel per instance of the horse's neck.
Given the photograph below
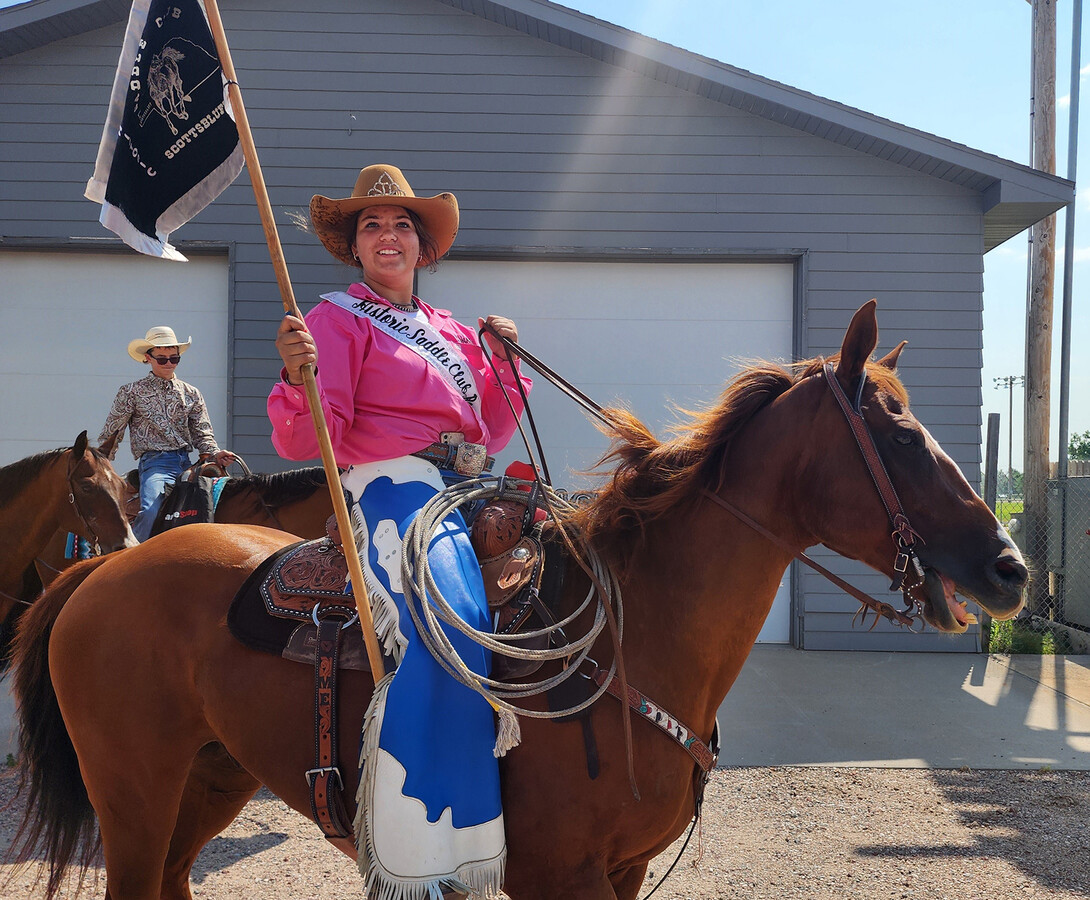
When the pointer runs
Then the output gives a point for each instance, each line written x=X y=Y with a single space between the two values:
x=307 y=517
x=694 y=603
x=29 y=520
x=700 y=593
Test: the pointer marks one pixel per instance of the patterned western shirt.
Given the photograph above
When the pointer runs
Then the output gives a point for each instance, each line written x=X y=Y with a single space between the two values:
x=161 y=414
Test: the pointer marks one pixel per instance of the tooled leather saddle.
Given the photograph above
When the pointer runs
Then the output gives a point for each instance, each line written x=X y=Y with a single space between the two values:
x=278 y=607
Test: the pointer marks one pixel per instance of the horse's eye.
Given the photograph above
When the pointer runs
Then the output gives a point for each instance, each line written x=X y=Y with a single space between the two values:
x=905 y=438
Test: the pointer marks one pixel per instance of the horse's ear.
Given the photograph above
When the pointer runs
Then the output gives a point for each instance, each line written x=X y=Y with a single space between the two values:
x=80 y=446
x=859 y=342
x=110 y=447
x=890 y=359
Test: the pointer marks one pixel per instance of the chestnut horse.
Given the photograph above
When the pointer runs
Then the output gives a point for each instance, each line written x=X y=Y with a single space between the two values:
x=54 y=557
x=73 y=489
x=145 y=701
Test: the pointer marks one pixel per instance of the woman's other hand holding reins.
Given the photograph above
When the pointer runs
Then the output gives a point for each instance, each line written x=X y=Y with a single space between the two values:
x=504 y=328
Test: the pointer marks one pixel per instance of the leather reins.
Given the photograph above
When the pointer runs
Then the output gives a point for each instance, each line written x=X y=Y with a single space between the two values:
x=542 y=472
x=905 y=537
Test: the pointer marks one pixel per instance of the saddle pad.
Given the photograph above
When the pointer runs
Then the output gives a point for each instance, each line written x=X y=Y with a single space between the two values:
x=248 y=618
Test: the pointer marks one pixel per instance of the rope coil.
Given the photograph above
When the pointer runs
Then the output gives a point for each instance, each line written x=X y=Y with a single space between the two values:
x=428 y=608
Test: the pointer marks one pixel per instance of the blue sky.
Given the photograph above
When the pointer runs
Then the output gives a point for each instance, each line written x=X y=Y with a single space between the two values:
x=959 y=70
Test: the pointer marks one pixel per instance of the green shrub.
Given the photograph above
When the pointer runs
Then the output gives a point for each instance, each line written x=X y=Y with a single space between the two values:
x=1014 y=637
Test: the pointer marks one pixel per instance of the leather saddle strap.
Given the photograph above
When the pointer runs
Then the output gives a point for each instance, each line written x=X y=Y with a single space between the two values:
x=326 y=785
x=701 y=753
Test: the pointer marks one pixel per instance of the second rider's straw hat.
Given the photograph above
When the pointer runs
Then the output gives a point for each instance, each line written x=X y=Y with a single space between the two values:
x=157 y=336
x=381 y=185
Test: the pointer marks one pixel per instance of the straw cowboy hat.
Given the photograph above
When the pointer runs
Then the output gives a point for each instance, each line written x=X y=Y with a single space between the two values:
x=159 y=336
x=381 y=185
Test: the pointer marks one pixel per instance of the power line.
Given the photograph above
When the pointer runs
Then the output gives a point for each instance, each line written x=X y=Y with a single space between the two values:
x=1009 y=382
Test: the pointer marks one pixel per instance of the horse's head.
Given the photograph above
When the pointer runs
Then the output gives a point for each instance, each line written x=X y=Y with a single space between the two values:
x=97 y=496
x=960 y=545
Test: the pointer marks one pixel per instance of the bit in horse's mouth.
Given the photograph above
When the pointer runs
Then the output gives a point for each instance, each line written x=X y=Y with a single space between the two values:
x=940 y=593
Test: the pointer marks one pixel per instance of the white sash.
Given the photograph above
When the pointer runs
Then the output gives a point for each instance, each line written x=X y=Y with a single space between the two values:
x=423 y=339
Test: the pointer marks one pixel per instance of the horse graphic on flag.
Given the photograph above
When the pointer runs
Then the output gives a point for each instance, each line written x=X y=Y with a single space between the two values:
x=166 y=93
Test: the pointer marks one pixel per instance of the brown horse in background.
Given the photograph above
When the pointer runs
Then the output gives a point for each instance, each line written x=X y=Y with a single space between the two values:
x=147 y=703
x=73 y=489
x=54 y=557
x=295 y=501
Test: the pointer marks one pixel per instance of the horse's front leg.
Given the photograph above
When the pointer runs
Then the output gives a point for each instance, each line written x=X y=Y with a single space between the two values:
x=627 y=882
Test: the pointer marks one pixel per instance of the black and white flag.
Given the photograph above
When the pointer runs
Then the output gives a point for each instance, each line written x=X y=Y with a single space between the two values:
x=170 y=145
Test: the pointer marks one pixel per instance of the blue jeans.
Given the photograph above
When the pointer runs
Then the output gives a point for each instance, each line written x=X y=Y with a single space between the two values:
x=157 y=470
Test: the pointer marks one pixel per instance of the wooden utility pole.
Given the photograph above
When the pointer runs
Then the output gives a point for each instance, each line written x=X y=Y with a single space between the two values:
x=1039 y=304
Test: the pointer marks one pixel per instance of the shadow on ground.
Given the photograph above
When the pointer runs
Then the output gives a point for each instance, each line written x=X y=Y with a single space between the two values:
x=1036 y=821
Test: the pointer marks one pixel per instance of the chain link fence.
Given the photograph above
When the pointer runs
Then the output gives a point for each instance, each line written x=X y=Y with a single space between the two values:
x=1055 y=541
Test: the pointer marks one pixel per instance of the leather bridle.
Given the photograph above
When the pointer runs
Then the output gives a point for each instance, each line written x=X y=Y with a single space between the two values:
x=904 y=535
x=75 y=503
x=908 y=572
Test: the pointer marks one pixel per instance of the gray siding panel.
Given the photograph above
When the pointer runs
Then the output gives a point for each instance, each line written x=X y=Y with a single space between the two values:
x=545 y=148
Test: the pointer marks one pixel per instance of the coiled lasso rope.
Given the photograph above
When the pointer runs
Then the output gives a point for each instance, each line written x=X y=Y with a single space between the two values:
x=418 y=587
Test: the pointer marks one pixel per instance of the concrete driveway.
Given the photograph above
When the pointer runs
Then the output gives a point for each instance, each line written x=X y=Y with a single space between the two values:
x=917 y=710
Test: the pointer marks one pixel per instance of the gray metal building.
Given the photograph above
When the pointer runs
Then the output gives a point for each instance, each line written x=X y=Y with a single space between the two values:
x=649 y=217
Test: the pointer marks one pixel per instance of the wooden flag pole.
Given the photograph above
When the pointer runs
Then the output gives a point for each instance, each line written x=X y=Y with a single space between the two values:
x=340 y=508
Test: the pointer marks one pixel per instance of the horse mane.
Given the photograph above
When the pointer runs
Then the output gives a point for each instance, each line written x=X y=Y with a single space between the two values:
x=278 y=488
x=651 y=478
x=17 y=476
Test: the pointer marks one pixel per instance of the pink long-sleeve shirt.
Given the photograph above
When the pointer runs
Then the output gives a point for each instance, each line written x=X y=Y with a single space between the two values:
x=382 y=400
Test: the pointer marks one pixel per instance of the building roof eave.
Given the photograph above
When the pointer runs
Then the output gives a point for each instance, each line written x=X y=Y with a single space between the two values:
x=27 y=26
x=1015 y=196
x=1010 y=208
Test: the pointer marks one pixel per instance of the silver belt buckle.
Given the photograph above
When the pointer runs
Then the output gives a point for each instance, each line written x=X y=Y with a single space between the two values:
x=470 y=459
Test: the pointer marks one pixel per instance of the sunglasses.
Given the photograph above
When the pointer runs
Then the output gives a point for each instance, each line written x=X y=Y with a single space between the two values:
x=165 y=360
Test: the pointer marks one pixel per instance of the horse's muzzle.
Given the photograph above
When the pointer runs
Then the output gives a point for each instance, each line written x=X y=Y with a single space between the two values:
x=1008 y=575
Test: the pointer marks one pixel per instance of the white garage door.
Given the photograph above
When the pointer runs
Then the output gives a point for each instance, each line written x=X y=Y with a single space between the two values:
x=647 y=335
x=68 y=319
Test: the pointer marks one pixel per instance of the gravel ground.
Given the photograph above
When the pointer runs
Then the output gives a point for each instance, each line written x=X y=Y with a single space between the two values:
x=767 y=833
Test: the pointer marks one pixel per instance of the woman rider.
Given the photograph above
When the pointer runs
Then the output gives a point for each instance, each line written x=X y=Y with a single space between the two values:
x=412 y=404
